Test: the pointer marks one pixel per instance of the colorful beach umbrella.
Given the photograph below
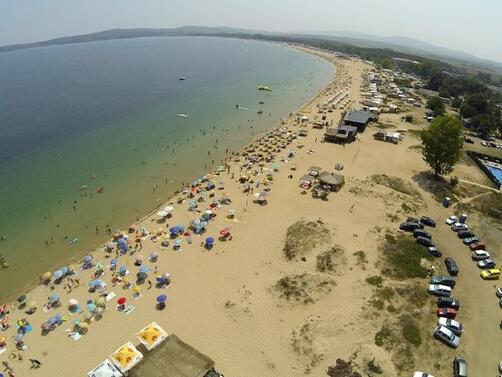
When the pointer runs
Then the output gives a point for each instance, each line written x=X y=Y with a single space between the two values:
x=91 y=307
x=87 y=258
x=53 y=298
x=58 y=274
x=161 y=299
x=144 y=269
x=121 y=301
x=100 y=301
x=209 y=241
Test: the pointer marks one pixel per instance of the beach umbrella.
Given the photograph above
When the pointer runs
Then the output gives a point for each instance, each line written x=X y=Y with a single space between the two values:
x=121 y=301
x=164 y=243
x=141 y=275
x=100 y=301
x=54 y=320
x=58 y=274
x=154 y=255
x=161 y=299
x=206 y=217
x=91 y=307
x=209 y=212
x=22 y=323
x=144 y=269
x=100 y=266
x=209 y=241
x=46 y=276
x=174 y=230
x=113 y=262
x=88 y=316
x=65 y=270
x=72 y=302
x=136 y=289
x=122 y=270
x=177 y=242
x=53 y=298
x=169 y=209
x=87 y=258
x=162 y=214
x=95 y=283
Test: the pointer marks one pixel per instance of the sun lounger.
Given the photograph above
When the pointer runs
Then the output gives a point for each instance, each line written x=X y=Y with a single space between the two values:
x=129 y=309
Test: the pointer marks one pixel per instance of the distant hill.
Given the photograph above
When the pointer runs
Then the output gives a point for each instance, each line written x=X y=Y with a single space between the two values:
x=400 y=44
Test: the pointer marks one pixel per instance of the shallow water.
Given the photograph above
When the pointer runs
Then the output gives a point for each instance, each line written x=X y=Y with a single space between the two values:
x=104 y=114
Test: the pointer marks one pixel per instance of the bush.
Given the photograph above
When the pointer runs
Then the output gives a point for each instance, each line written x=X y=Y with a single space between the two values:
x=385 y=293
x=378 y=304
x=411 y=331
x=373 y=367
x=385 y=336
x=375 y=280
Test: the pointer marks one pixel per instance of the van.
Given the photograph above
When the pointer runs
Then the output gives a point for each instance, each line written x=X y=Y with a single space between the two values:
x=459 y=367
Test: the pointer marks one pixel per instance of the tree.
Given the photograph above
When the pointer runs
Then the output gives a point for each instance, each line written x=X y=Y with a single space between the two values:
x=442 y=144
x=436 y=105
x=456 y=103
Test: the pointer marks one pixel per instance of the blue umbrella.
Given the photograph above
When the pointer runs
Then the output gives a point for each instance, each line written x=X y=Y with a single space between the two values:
x=162 y=298
x=141 y=276
x=58 y=274
x=87 y=258
x=113 y=261
x=144 y=269
x=95 y=283
x=91 y=307
x=209 y=240
x=65 y=270
x=122 y=270
x=174 y=230
x=192 y=203
x=54 y=298
x=177 y=242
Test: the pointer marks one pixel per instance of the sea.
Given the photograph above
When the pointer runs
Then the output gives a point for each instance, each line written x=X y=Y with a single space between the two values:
x=104 y=116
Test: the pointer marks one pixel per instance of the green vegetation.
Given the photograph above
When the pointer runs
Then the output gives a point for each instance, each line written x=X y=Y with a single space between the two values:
x=396 y=184
x=386 y=337
x=327 y=261
x=375 y=280
x=442 y=144
x=373 y=367
x=483 y=112
x=411 y=330
x=377 y=304
x=402 y=257
x=385 y=293
x=303 y=236
x=436 y=105
x=361 y=258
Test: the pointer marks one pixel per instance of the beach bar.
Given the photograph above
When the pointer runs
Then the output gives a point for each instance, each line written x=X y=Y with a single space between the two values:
x=334 y=181
x=359 y=119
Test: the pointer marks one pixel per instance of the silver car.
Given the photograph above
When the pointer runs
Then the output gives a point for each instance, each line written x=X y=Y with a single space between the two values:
x=455 y=326
x=447 y=336
x=480 y=254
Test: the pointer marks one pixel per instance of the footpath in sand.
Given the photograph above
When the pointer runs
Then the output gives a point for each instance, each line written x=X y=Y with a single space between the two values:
x=256 y=312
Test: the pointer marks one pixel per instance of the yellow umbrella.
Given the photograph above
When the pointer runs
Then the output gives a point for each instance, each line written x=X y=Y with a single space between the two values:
x=152 y=335
x=126 y=357
x=136 y=289
x=100 y=301
x=46 y=276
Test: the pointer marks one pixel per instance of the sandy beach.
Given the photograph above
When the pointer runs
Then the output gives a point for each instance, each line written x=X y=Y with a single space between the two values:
x=227 y=301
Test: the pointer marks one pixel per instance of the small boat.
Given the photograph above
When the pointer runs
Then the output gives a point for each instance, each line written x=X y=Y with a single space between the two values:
x=182 y=115
x=3 y=262
x=241 y=108
x=260 y=112
x=182 y=78
x=100 y=189
x=261 y=103
x=73 y=241
x=264 y=88
x=83 y=187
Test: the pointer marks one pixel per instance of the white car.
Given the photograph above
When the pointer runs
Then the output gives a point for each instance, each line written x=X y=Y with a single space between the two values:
x=446 y=336
x=486 y=263
x=498 y=292
x=422 y=374
x=484 y=143
x=480 y=255
x=455 y=326
x=451 y=220
x=439 y=290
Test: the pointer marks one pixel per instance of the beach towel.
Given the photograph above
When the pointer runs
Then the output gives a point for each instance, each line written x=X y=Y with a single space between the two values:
x=110 y=295
x=129 y=309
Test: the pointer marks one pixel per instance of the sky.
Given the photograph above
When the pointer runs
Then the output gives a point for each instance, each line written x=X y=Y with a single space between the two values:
x=468 y=25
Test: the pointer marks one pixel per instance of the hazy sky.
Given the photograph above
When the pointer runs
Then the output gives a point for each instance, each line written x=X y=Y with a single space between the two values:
x=470 y=25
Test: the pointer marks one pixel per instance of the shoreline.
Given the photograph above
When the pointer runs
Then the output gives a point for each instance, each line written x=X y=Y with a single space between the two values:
x=97 y=246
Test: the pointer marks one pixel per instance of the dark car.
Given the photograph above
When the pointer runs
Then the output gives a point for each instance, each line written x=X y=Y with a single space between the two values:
x=428 y=221
x=443 y=280
x=433 y=250
x=412 y=220
x=459 y=367
x=410 y=226
x=448 y=302
x=469 y=241
x=424 y=241
x=465 y=234
x=469 y=141
x=451 y=266
x=422 y=233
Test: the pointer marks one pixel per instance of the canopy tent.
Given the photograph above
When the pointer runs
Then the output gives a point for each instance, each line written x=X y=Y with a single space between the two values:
x=105 y=369
x=126 y=357
x=151 y=336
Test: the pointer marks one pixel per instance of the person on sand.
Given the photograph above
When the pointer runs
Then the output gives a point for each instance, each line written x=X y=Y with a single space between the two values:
x=35 y=364
x=149 y=284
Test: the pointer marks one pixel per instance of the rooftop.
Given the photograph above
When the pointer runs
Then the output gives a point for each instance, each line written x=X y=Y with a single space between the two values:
x=361 y=117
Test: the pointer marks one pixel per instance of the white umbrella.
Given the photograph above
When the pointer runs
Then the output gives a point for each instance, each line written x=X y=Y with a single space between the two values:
x=169 y=209
x=162 y=214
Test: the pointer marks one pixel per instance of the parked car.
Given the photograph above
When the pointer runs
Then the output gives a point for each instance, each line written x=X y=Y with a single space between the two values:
x=451 y=220
x=459 y=367
x=490 y=274
x=446 y=313
x=446 y=336
x=465 y=234
x=477 y=246
x=469 y=141
x=498 y=292
x=455 y=326
x=409 y=226
x=426 y=220
x=439 y=290
x=448 y=302
x=451 y=266
x=422 y=374
x=433 y=250
x=443 y=280
x=412 y=220
x=486 y=264
x=457 y=227
x=480 y=254
x=470 y=240
x=424 y=241
x=422 y=233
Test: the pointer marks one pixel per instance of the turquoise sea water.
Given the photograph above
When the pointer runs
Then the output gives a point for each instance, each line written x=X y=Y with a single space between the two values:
x=104 y=114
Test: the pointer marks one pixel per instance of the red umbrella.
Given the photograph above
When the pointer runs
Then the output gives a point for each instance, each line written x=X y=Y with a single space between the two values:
x=121 y=301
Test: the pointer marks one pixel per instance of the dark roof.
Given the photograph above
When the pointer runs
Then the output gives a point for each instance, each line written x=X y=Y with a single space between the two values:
x=331 y=179
x=172 y=358
x=360 y=117
x=349 y=129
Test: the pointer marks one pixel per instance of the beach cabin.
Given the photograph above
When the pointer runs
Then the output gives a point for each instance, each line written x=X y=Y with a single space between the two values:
x=334 y=181
x=359 y=119
x=343 y=134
